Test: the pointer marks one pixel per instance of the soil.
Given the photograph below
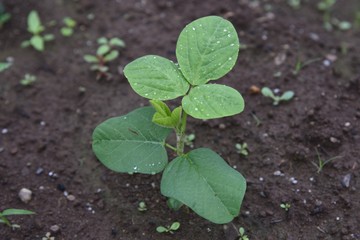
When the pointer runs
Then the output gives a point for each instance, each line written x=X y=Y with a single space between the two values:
x=48 y=125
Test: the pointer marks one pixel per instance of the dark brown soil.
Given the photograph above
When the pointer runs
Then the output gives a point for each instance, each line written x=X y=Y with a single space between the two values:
x=50 y=123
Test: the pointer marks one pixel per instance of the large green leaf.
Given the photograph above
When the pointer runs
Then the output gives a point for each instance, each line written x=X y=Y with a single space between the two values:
x=203 y=181
x=131 y=143
x=207 y=49
x=155 y=77
x=213 y=101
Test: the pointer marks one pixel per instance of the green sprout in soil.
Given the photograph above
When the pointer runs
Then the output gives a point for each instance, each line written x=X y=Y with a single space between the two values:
x=168 y=229
x=242 y=235
x=326 y=6
x=48 y=237
x=206 y=49
x=104 y=54
x=357 y=20
x=321 y=162
x=4 y=66
x=142 y=207
x=300 y=65
x=189 y=140
x=296 y=4
x=35 y=27
x=4 y=16
x=12 y=211
x=242 y=148
x=286 y=96
x=68 y=29
x=28 y=80
x=285 y=206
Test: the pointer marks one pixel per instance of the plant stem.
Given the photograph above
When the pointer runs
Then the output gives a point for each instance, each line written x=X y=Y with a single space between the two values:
x=171 y=147
x=180 y=135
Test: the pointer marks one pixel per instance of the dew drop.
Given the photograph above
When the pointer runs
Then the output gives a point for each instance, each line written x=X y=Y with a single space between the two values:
x=196 y=109
x=229 y=35
x=218 y=42
x=225 y=30
x=230 y=58
x=193 y=28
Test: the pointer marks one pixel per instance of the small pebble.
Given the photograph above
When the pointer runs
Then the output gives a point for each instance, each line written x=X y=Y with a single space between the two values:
x=39 y=171
x=326 y=63
x=345 y=182
x=25 y=195
x=261 y=179
x=42 y=123
x=347 y=124
x=222 y=126
x=314 y=36
x=278 y=173
x=276 y=90
x=4 y=131
x=293 y=180
x=334 y=140
x=55 y=228
x=70 y=197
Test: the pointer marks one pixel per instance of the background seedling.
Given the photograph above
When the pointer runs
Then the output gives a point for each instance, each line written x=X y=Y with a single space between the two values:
x=4 y=16
x=28 y=80
x=189 y=140
x=242 y=235
x=286 y=96
x=4 y=66
x=69 y=27
x=11 y=211
x=285 y=206
x=104 y=54
x=136 y=142
x=326 y=6
x=321 y=162
x=48 y=237
x=35 y=27
x=168 y=229
x=142 y=207
x=296 y=4
x=300 y=65
x=242 y=148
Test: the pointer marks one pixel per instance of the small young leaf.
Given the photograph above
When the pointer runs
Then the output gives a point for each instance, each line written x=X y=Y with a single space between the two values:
x=174 y=204
x=175 y=226
x=117 y=42
x=66 y=31
x=131 y=143
x=102 y=50
x=4 y=65
x=267 y=92
x=34 y=23
x=37 y=42
x=12 y=211
x=213 y=101
x=95 y=67
x=111 y=56
x=90 y=58
x=69 y=22
x=25 y=44
x=155 y=77
x=203 y=181
x=207 y=49
x=102 y=41
x=48 y=37
x=161 y=108
x=287 y=95
x=241 y=231
x=161 y=229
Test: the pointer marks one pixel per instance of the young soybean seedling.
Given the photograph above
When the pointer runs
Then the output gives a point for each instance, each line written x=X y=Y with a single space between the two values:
x=286 y=96
x=206 y=50
x=168 y=229
x=12 y=211
x=35 y=27
x=28 y=80
x=242 y=148
x=142 y=207
x=68 y=29
x=321 y=162
x=285 y=206
x=104 y=54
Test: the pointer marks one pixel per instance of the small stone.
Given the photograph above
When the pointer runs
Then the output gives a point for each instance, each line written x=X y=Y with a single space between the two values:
x=55 y=228
x=278 y=173
x=334 y=140
x=326 y=63
x=314 y=36
x=222 y=126
x=4 y=131
x=347 y=124
x=39 y=171
x=345 y=182
x=25 y=195
x=293 y=180
x=70 y=197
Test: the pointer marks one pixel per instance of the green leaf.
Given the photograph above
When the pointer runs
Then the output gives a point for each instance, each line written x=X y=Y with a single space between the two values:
x=34 y=23
x=163 y=116
x=161 y=107
x=69 y=22
x=90 y=58
x=207 y=49
x=102 y=50
x=12 y=211
x=131 y=143
x=287 y=95
x=4 y=66
x=66 y=31
x=161 y=229
x=155 y=77
x=25 y=44
x=48 y=37
x=204 y=182
x=175 y=226
x=267 y=92
x=117 y=42
x=102 y=41
x=111 y=56
x=174 y=204
x=213 y=101
x=37 y=42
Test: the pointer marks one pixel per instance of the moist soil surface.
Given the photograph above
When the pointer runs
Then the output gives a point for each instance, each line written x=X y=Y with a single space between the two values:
x=46 y=128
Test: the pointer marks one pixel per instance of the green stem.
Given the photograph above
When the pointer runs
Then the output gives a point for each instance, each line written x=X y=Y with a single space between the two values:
x=171 y=147
x=180 y=135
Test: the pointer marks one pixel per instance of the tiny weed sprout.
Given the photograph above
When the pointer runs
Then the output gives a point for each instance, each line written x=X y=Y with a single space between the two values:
x=189 y=140
x=296 y=4
x=68 y=29
x=35 y=27
x=242 y=235
x=207 y=49
x=142 y=207
x=242 y=148
x=4 y=66
x=326 y=6
x=48 y=237
x=104 y=54
x=168 y=229
x=300 y=65
x=285 y=206
x=28 y=80
x=12 y=211
x=321 y=162
x=286 y=96
x=4 y=16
